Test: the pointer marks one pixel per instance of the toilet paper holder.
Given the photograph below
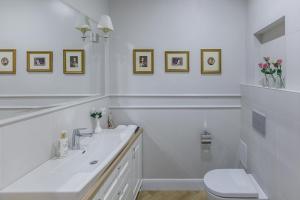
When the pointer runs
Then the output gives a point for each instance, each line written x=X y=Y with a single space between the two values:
x=206 y=138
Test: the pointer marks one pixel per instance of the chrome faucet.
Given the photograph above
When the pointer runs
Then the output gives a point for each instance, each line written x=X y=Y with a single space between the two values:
x=76 y=138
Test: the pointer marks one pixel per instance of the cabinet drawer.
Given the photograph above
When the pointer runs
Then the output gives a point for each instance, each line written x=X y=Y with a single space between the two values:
x=125 y=178
x=123 y=162
x=125 y=192
x=124 y=172
x=114 y=175
x=108 y=183
x=113 y=189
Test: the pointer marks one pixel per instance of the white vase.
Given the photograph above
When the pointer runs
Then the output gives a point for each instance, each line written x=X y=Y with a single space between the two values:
x=98 y=128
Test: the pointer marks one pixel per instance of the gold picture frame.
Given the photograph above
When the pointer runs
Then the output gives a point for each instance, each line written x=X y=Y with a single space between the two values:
x=8 y=61
x=39 y=61
x=74 y=61
x=177 y=61
x=143 y=61
x=211 y=61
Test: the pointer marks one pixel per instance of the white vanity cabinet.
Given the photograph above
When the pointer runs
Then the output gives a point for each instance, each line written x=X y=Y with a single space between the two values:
x=110 y=168
x=124 y=182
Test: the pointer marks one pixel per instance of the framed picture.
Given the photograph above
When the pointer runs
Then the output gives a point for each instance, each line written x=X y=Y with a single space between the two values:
x=177 y=61
x=74 y=61
x=143 y=61
x=7 y=61
x=211 y=61
x=39 y=61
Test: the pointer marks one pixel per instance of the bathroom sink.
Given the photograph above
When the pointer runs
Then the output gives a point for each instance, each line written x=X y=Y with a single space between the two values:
x=69 y=178
x=96 y=149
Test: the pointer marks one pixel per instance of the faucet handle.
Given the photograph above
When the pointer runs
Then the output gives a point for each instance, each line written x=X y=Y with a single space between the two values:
x=76 y=137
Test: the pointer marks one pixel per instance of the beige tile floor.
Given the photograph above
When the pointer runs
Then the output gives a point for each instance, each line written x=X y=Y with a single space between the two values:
x=172 y=195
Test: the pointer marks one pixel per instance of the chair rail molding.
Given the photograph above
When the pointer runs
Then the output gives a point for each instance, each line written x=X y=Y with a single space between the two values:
x=175 y=101
x=45 y=95
x=177 y=107
x=129 y=101
x=196 y=95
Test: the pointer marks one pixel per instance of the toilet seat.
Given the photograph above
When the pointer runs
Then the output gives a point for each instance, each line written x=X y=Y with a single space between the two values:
x=230 y=183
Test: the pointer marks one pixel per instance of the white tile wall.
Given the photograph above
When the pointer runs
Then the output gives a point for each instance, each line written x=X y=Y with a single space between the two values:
x=1 y=162
x=262 y=13
x=274 y=159
x=293 y=49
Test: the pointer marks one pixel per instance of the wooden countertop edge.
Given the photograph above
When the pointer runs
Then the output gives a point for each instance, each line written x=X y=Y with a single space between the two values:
x=102 y=177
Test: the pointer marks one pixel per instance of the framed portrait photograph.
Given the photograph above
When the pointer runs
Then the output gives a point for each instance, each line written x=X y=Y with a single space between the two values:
x=177 y=61
x=211 y=61
x=143 y=61
x=74 y=61
x=39 y=61
x=7 y=61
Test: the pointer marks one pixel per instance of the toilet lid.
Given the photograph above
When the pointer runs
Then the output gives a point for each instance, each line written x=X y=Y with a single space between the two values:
x=230 y=183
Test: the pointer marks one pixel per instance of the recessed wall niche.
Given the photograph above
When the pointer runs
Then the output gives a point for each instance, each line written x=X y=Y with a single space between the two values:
x=271 y=42
x=272 y=31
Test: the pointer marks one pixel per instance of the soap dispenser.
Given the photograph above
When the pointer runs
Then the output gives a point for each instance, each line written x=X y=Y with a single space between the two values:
x=63 y=145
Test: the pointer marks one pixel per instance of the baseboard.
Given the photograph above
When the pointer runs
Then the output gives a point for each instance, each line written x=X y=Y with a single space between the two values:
x=172 y=184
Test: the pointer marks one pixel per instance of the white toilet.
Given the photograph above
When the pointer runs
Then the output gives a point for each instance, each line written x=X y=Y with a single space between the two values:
x=232 y=184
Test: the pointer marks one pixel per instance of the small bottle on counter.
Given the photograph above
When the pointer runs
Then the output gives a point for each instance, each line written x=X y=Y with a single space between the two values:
x=62 y=145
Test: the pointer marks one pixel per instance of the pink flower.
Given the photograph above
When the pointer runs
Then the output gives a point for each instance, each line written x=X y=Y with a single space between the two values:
x=260 y=65
x=265 y=66
x=279 y=61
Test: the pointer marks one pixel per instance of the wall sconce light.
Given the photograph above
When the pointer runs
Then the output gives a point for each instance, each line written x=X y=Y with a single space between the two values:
x=105 y=25
x=83 y=26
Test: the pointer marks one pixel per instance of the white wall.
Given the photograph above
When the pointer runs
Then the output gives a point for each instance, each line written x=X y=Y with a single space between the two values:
x=48 y=25
x=91 y=8
x=26 y=144
x=171 y=142
x=174 y=25
x=262 y=13
x=274 y=159
x=173 y=123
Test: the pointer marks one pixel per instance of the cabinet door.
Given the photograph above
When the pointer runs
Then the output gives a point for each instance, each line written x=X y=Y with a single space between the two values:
x=137 y=166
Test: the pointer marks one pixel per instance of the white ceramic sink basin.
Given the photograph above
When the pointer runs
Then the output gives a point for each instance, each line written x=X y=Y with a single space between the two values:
x=70 y=177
